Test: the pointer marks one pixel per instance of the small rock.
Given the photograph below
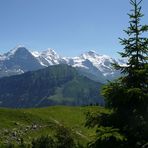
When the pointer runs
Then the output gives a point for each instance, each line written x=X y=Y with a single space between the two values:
x=14 y=133
x=34 y=126
x=16 y=123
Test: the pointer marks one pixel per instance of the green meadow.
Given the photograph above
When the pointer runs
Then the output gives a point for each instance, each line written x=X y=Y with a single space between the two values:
x=17 y=124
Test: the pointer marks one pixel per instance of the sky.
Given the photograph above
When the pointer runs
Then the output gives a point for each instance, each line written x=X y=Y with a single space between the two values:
x=71 y=27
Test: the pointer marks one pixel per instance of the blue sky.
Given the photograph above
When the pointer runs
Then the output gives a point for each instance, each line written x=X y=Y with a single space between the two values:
x=68 y=26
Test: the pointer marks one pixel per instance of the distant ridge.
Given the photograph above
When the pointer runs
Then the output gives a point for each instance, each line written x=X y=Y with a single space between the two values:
x=94 y=66
x=55 y=85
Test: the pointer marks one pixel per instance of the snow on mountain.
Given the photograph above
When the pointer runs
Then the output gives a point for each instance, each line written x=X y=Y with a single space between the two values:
x=122 y=62
x=91 y=64
x=14 y=51
x=95 y=66
x=101 y=62
x=47 y=57
x=35 y=53
x=18 y=60
x=2 y=57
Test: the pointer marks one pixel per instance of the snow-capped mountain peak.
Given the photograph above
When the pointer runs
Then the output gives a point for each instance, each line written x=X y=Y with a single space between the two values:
x=95 y=58
x=18 y=60
x=19 y=49
x=47 y=57
x=89 y=54
x=90 y=63
x=49 y=52
x=36 y=53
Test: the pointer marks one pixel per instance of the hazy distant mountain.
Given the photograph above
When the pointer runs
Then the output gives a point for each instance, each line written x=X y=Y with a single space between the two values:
x=47 y=57
x=18 y=60
x=54 y=85
x=95 y=66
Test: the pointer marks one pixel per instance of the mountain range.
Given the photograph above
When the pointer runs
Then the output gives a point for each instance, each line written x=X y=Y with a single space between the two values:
x=55 y=85
x=20 y=60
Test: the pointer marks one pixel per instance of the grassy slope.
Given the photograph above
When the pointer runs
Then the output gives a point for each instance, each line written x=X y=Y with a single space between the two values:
x=30 y=123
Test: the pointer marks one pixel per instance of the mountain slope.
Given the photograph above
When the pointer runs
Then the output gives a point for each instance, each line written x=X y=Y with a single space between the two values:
x=59 y=84
x=95 y=66
x=90 y=64
x=47 y=57
x=18 y=60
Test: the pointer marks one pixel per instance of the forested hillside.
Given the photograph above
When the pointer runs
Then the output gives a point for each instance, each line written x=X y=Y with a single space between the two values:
x=59 y=84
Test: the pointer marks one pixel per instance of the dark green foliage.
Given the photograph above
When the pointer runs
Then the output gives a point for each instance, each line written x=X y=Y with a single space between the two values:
x=9 y=146
x=127 y=98
x=107 y=137
x=64 y=138
x=43 y=142
x=84 y=90
x=59 y=84
x=12 y=145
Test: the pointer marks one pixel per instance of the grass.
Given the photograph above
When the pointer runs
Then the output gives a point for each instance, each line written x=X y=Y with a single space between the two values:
x=30 y=123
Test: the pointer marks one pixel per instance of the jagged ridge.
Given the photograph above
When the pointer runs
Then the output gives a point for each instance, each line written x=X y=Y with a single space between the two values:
x=95 y=66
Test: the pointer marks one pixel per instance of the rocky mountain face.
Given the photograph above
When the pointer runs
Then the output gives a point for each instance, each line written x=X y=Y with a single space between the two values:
x=17 y=61
x=94 y=66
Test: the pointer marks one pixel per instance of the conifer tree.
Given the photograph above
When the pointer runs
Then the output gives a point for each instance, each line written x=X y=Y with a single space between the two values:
x=126 y=126
x=135 y=49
